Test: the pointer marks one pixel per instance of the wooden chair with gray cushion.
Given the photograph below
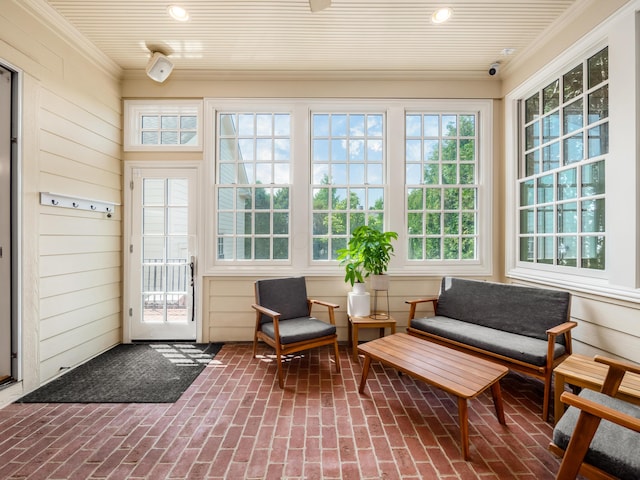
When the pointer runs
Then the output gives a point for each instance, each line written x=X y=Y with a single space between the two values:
x=599 y=435
x=284 y=320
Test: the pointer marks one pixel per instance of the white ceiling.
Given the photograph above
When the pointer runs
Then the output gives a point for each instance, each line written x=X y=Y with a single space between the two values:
x=373 y=38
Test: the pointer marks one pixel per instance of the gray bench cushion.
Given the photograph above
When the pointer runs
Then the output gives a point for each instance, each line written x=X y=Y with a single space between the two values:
x=299 y=329
x=614 y=449
x=511 y=308
x=518 y=347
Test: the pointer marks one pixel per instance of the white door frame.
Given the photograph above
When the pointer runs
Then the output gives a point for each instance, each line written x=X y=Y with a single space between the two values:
x=7 y=285
x=129 y=168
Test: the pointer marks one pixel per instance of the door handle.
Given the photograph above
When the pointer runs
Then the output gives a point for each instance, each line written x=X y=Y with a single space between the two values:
x=192 y=267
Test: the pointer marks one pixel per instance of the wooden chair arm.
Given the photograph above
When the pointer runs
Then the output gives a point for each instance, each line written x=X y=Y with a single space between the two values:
x=414 y=303
x=264 y=310
x=601 y=411
x=562 y=328
x=324 y=304
x=330 y=307
x=275 y=318
x=615 y=374
x=621 y=364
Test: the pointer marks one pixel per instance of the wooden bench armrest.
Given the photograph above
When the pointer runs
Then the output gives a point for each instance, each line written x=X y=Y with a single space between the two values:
x=414 y=303
x=562 y=328
x=601 y=411
x=552 y=333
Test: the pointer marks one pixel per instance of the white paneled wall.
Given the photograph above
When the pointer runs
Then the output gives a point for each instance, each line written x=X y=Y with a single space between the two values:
x=79 y=250
x=228 y=315
x=70 y=144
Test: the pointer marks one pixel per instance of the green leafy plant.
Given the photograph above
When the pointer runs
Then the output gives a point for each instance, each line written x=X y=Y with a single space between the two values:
x=368 y=253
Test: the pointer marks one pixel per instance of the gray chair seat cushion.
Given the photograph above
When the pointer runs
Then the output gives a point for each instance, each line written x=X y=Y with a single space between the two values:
x=519 y=347
x=614 y=449
x=299 y=329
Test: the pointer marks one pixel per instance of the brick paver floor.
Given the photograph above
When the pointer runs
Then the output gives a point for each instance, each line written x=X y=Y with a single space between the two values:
x=235 y=423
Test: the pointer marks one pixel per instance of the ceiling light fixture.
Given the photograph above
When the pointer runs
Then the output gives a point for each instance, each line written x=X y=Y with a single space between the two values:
x=441 y=15
x=178 y=13
x=317 y=5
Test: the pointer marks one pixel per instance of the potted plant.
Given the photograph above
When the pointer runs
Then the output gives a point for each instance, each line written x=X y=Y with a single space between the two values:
x=368 y=253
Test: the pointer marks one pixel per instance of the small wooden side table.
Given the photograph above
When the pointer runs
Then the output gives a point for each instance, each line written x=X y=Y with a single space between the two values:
x=582 y=371
x=356 y=323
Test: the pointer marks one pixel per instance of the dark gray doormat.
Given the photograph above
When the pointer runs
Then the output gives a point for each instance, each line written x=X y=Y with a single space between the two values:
x=130 y=373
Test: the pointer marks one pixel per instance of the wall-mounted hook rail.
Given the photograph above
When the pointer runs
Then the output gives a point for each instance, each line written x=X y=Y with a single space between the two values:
x=78 y=203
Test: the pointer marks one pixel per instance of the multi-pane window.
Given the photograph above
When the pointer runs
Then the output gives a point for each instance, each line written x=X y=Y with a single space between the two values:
x=253 y=171
x=565 y=130
x=169 y=129
x=441 y=177
x=163 y=125
x=347 y=176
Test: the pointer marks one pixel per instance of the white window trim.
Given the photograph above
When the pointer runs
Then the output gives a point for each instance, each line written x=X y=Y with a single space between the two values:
x=301 y=249
x=133 y=111
x=621 y=277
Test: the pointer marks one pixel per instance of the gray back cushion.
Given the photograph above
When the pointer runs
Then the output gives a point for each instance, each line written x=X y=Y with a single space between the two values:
x=287 y=296
x=512 y=308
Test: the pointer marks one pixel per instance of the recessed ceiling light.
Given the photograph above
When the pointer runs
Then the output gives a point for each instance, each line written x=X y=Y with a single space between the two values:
x=508 y=51
x=178 y=13
x=441 y=15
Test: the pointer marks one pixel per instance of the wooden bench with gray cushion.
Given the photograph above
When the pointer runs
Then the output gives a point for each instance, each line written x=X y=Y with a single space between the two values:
x=526 y=329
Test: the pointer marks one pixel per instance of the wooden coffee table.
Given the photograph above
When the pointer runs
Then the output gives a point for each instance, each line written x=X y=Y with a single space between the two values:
x=457 y=373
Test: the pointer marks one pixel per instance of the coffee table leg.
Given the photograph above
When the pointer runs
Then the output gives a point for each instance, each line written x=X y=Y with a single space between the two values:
x=365 y=372
x=463 y=418
x=497 y=402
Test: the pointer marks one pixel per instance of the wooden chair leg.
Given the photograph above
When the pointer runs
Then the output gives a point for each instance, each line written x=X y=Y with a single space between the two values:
x=337 y=354
x=279 y=367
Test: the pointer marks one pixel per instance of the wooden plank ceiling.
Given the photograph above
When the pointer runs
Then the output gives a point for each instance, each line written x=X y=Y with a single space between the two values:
x=360 y=37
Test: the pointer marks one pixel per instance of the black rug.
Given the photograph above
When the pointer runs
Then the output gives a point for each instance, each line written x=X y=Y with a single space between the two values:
x=130 y=373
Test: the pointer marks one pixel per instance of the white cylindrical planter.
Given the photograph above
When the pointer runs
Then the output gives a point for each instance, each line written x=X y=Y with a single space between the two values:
x=359 y=288
x=359 y=304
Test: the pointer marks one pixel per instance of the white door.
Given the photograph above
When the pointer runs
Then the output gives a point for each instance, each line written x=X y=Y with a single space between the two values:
x=162 y=254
